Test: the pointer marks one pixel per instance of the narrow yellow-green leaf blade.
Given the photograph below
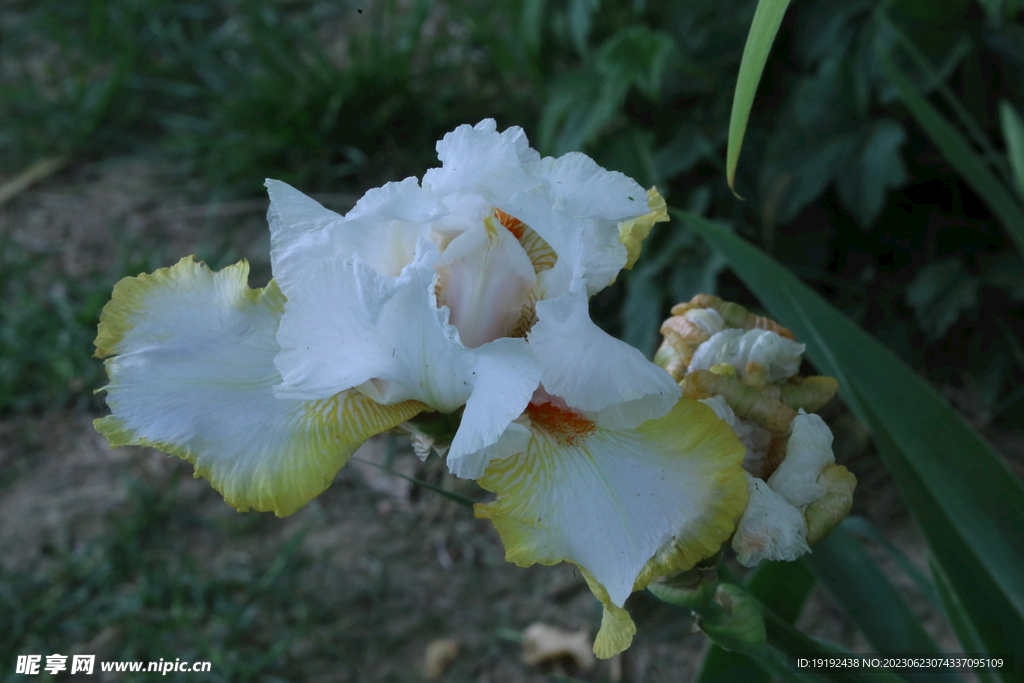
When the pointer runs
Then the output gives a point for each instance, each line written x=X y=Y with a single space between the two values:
x=767 y=19
x=969 y=505
x=958 y=152
x=1013 y=133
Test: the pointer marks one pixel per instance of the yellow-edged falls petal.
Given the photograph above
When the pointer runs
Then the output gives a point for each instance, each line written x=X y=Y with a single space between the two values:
x=192 y=374
x=625 y=505
x=633 y=232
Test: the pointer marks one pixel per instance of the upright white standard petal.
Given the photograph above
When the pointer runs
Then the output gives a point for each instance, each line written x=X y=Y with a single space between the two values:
x=468 y=290
x=563 y=199
x=591 y=370
x=626 y=505
x=485 y=277
x=383 y=228
x=348 y=326
x=192 y=374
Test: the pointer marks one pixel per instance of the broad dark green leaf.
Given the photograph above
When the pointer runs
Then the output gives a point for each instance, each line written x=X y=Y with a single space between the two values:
x=1008 y=274
x=863 y=528
x=580 y=14
x=872 y=602
x=579 y=107
x=636 y=56
x=767 y=19
x=824 y=136
x=968 y=504
x=877 y=165
x=958 y=152
x=958 y=619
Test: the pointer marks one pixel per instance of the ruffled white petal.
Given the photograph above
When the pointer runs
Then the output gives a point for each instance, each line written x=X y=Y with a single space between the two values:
x=384 y=228
x=479 y=159
x=565 y=200
x=506 y=377
x=770 y=529
x=591 y=370
x=347 y=326
x=513 y=440
x=707 y=319
x=193 y=375
x=595 y=200
x=808 y=453
x=779 y=356
x=625 y=505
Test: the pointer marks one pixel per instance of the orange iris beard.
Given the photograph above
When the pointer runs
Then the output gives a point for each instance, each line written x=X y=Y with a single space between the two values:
x=561 y=423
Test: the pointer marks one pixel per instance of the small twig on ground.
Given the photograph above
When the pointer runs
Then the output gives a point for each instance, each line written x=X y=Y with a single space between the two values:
x=30 y=176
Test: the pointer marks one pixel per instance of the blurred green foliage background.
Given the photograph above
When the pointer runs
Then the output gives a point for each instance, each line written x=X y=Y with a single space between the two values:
x=839 y=182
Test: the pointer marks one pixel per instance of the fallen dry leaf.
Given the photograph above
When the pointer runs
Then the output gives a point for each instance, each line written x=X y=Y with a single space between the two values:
x=439 y=655
x=545 y=643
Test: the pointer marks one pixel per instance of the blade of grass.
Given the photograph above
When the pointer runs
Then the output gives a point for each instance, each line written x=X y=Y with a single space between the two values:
x=764 y=27
x=958 y=153
x=937 y=81
x=40 y=170
x=450 y=495
x=1013 y=133
x=967 y=503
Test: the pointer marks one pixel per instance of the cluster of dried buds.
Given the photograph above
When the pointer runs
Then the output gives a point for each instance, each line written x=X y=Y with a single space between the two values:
x=745 y=367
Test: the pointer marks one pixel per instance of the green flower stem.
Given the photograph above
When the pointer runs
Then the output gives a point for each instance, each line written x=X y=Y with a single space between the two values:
x=735 y=620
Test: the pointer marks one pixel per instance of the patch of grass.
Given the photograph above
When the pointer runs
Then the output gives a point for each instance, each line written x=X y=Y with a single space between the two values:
x=317 y=94
x=47 y=325
x=139 y=594
x=48 y=322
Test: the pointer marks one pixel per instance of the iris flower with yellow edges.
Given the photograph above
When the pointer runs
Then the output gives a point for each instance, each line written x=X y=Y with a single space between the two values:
x=462 y=294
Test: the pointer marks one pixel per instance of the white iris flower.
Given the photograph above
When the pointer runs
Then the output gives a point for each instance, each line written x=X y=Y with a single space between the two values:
x=466 y=292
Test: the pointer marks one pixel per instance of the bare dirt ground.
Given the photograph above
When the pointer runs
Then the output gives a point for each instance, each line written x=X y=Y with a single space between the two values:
x=400 y=567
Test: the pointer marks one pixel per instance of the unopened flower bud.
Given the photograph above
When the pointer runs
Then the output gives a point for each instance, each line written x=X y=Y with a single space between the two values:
x=733 y=314
x=745 y=400
x=739 y=624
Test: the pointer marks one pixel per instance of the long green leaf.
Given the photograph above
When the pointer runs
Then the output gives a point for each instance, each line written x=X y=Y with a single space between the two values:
x=764 y=27
x=958 y=619
x=863 y=528
x=967 y=503
x=958 y=152
x=873 y=603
